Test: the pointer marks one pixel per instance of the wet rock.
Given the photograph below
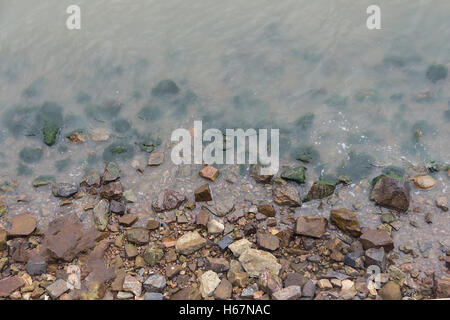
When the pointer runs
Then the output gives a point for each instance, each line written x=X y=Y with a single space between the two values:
x=209 y=172
x=442 y=288
x=321 y=189
x=239 y=246
x=390 y=291
x=203 y=194
x=289 y=293
x=92 y=179
x=309 y=289
x=9 y=285
x=269 y=283
x=346 y=220
x=155 y=159
x=221 y=208
x=255 y=173
x=442 y=203
x=286 y=195
x=391 y=193
x=256 y=261
x=376 y=239
x=215 y=226
x=436 y=72
x=99 y=135
x=131 y=284
x=138 y=236
x=189 y=243
x=57 y=288
x=153 y=255
x=43 y=181
x=153 y=296
x=311 y=226
x=36 y=266
x=111 y=173
x=209 y=281
x=129 y=196
x=168 y=200
x=297 y=174
x=353 y=259
x=101 y=214
x=64 y=190
x=267 y=209
x=165 y=88
x=112 y=190
x=424 y=182
x=202 y=218
x=117 y=207
x=128 y=220
x=22 y=225
x=224 y=290
x=377 y=257
x=267 y=241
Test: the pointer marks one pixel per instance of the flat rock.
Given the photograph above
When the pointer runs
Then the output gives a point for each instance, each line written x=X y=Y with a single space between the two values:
x=286 y=196
x=289 y=293
x=128 y=219
x=256 y=261
x=311 y=226
x=112 y=190
x=239 y=246
x=111 y=173
x=346 y=220
x=223 y=290
x=217 y=264
x=269 y=282
x=320 y=190
x=267 y=241
x=424 y=182
x=101 y=214
x=376 y=239
x=131 y=284
x=376 y=256
x=9 y=285
x=189 y=243
x=168 y=200
x=202 y=218
x=36 y=266
x=392 y=193
x=155 y=283
x=99 y=135
x=22 y=225
x=297 y=174
x=209 y=172
x=64 y=190
x=209 y=281
x=57 y=288
x=155 y=159
x=267 y=209
x=138 y=236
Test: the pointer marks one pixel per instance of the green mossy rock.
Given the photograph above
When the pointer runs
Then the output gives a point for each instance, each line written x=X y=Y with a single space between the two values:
x=297 y=174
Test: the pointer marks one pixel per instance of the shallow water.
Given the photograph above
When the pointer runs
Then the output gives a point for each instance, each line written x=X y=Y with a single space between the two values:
x=310 y=68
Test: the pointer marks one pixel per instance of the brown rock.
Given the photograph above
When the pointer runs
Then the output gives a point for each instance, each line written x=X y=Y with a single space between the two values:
x=311 y=226
x=224 y=290
x=391 y=193
x=286 y=196
x=138 y=236
x=267 y=241
x=346 y=220
x=156 y=159
x=217 y=264
x=152 y=224
x=189 y=293
x=442 y=203
x=9 y=285
x=443 y=288
x=390 y=291
x=22 y=225
x=376 y=239
x=267 y=209
x=269 y=282
x=202 y=218
x=203 y=193
x=2 y=239
x=209 y=172
x=168 y=200
x=112 y=190
x=424 y=182
x=128 y=219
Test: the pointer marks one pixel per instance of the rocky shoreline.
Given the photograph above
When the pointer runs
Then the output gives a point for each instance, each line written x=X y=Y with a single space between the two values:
x=194 y=246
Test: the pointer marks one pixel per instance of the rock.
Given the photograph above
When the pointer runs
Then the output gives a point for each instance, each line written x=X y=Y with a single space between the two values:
x=267 y=209
x=248 y=293
x=3 y=236
x=236 y=274
x=297 y=174
x=376 y=239
x=269 y=283
x=346 y=220
x=442 y=288
x=203 y=194
x=138 y=236
x=311 y=226
x=376 y=256
x=168 y=200
x=209 y=172
x=165 y=88
x=224 y=290
x=267 y=241
x=442 y=203
x=99 y=135
x=129 y=196
x=153 y=255
x=202 y=218
x=217 y=264
x=324 y=284
x=64 y=190
x=112 y=190
x=215 y=226
x=286 y=195
x=153 y=224
x=156 y=159
x=92 y=179
x=131 y=251
x=101 y=214
x=220 y=208
x=9 y=285
x=436 y=72
x=124 y=295
x=348 y=290
x=256 y=261
x=392 y=193
x=128 y=220
x=117 y=207
x=3 y=208
x=225 y=242
x=353 y=259
x=390 y=291
x=189 y=243
x=424 y=182
x=289 y=293
x=131 y=284
x=36 y=266
x=189 y=293
x=22 y=225
x=57 y=288
x=239 y=246
x=209 y=281
x=111 y=173
x=321 y=189
x=42 y=181
x=153 y=296
x=309 y=289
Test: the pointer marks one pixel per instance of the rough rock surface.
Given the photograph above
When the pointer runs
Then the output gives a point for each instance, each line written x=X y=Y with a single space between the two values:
x=256 y=261
x=346 y=220
x=189 y=243
x=391 y=193
x=311 y=226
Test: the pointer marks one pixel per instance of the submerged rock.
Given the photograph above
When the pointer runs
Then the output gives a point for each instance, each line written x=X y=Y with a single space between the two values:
x=286 y=195
x=112 y=172
x=391 y=192
x=64 y=190
x=165 y=88
x=321 y=189
x=297 y=174
x=436 y=72
x=424 y=182
x=31 y=155
x=43 y=181
x=168 y=200
x=112 y=190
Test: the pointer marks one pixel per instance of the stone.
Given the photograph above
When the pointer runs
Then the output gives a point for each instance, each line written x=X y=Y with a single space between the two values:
x=168 y=200
x=346 y=220
x=101 y=214
x=9 y=285
x=324 y=284
x=121 y=295
x=239 y=246
x=153 y=255
x=376 y=239
x=309 y=289
x=117 y=207
x=111 y=173
x=352 y=259
x=311 y=226
x=36 y=266
x=129 y=196
x=376 y=256
x=217 y=264
x=165 y=88
x=138 y=236
x=42 y=181
x=348 y=290
x=155 y=159
x=155 y=283
x=57 y=288
x=424 y=182
x=203 y=194
x=189 y=243
x=223 y=290
x=99 y=135
x=321 y=189
x=3 y=208
x=112 y=190
x=209 y=172
x=249 y=292
x=267 y=209
x=131 y=251
x=286 y=195
x=392 y=193
x=3 y=236
x=215 y=226
x=64 y=190
x=131 y=284
x=202 y=218
x=267 y=241
x=442 y=288
x=153 y=224
x=269 y=283
x=92 y=179
x=288 y=293
x=209 y=281
x=436 y=72
x=225 y=242
x=297 y=174
x=390 y=291
x=256 y=261
x=22 y=225
x=189 y=293
x=442 y=203
x=128 y=219
x=153 y=296
x=220 y=208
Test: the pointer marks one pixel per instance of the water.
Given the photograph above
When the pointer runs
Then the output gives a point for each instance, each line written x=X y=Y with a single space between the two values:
x=311 y=69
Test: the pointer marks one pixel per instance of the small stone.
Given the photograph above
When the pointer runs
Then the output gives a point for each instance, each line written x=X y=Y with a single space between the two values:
x=311 y=226
x=111 y=173
x=376 y=256
x=153 y=296
x=249 y=292
x=189 y=243
x=153 y=255
x=297 y=174
x=239 y=246
x=424 y=182
x=117 y=207
x=352 y=259
x=267 y=241
x=346 y=220
x=215 y=226
x=217 y=264
x=289 y=293
x=392 y=193
x=267 y=209
x=202 y=218
x=286 y=195
x=131 y=251
x=443 y=288
x=64 y=190
x=129 y=196
x=224 y=290
x=203 y=194
x=376 y=239
x=156 y=159
x=131 y=284
x=256 y=261
x=138 y=236
x=101 y=214
x=209 y=172
x=92 y=179
x=22 y=225
x=321 y=189
x=168 y=200
x=112 y=190
x=3 y=236
x=36 y=266
x=57 y=288
x=155 y=283
x=121 y=295
x=42 y=181
x=324 y=284
x=429 y=218
x=269 y=282
x=442 y=203
x=209 y=281
x=128 y=220
x=390 y=291
x=225 y=242
x=309 y=289
x=99 y=135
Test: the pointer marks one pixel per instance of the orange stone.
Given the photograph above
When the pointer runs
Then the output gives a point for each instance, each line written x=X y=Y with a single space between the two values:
x=209 y=172
x=22 y=225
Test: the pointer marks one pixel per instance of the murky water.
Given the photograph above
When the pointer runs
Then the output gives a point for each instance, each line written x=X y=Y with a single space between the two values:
x=359 y=99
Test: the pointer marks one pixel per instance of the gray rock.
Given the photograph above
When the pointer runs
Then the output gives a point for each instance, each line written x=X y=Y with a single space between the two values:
x=153 y=296
x=376 y=256
x=155 y=283
x=57 y=288
x=309 y=289
x=36 y=266
x=225 y=242
x=248 y=292
x=64 y=190
x=288 y=293
x=101 y=214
